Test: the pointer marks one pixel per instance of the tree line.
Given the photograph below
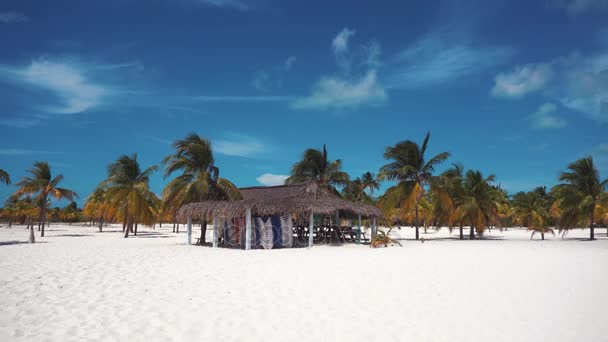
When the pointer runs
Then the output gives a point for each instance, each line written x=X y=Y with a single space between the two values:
x=417 y=196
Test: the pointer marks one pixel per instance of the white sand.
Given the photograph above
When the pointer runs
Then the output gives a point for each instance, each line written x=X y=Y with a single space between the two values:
x=81 y=285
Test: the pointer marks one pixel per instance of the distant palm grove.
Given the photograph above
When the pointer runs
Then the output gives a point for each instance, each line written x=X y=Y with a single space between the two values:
x=418 y=195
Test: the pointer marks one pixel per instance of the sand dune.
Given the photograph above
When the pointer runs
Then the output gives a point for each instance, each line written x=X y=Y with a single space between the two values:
x=77 y=284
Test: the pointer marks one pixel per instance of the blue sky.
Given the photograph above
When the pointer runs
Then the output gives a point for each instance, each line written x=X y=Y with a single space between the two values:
x=514 y=88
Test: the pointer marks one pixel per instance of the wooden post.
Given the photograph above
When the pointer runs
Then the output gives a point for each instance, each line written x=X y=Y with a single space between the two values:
x=373 y=231
x=189 y=229
x=311 y=226
x=359 y=231
x=248 y=229
x=215 y=231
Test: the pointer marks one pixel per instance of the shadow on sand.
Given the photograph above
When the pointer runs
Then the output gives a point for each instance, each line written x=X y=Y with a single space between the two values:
x=151 y=235
x=9 y=243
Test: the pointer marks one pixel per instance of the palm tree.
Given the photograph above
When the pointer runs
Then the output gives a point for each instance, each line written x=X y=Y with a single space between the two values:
x=448 y=192
x=128 y=189
x=370 y=182
x=199 y=179
x=98 y=207
x=23 y=210
x=412 y=171
x=355 y=191
x=5 y=177
x=531 y=210
x=44 y=185
x=481 y=202
x=316 y=166
x=579 y=194
x=70 y=213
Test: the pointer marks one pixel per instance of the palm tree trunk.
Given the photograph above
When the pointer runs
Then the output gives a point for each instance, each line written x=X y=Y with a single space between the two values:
x=128 y=227
x=472 y=233
x=203 y=231
x=592 y=218
x=461 y=233
x=32 y=238
x=416 y=219
x=43 y=216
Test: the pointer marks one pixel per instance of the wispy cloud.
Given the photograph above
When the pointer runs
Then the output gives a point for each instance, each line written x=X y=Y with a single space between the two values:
x=18 y=151
x=261 y=81
x=574 y=7
x=545 y=118
x=159 y=140
x=10 y=17
x=522 y=81
x=340 y=48
x=432 y=61
x=577 y=82
x=289 y=62
x=18 y=122
x=340 y=43
x=272 y=78
x=334 y=93
x=238 y=145
x=450 y=50
x=67 y=81
x=347 y=90
x=231 y=98
x=233 y=4
x=269 y=179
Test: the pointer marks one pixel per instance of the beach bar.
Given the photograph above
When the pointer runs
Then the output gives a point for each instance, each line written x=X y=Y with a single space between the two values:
x=281 y=216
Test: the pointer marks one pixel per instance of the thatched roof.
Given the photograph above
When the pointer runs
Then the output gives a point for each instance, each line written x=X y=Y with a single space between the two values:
x=278 y=200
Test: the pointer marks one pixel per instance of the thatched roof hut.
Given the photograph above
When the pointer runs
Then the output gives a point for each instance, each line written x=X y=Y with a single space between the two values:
x=278 y=200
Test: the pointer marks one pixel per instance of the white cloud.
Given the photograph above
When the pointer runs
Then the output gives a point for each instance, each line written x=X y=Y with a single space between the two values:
x=347 y=90
x=234 y=4
x=239 y=146
x=579 y=6
x=333 y=93
x=261 y=81
x=237 y=98
x=372 y=52
x=20 y=122
x=341 y=49
x=65 y=80
x=577 y=82
x=583 y=84
x=450 y=50
x=13 y=17
x=522 y=81
x=434 y=61
x=340 y=43
x=289 y=62
x=544 y=117
x=19 y=151
x=270 y=179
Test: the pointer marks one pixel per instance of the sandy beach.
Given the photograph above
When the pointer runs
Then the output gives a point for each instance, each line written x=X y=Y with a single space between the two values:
x=78 y=284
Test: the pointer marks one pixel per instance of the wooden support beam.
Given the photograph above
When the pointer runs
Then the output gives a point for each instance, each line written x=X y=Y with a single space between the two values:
x=311 y=226
x=215 y=231
x=248 y=229
x=359 y=231
x=189 y=229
